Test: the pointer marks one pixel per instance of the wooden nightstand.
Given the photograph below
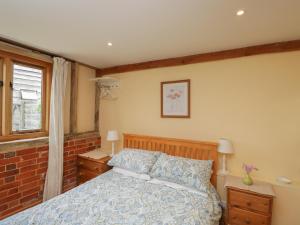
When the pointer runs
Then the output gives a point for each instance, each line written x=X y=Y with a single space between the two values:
x=91 y=164
x=248 y=205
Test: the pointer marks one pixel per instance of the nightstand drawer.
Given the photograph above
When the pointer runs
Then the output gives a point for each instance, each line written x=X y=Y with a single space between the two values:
x=243 y=217
x=86 y=173
x=92 y=166
x=249 y=201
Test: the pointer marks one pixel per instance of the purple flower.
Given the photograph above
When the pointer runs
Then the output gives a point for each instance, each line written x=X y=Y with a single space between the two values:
x=249 y=168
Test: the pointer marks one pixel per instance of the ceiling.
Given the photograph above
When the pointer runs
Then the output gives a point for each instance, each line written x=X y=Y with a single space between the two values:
x=144 y=30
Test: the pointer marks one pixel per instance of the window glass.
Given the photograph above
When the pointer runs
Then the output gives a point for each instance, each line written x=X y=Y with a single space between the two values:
x=27 y=98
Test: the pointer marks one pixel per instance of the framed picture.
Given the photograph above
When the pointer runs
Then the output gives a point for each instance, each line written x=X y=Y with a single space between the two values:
x=175 y=99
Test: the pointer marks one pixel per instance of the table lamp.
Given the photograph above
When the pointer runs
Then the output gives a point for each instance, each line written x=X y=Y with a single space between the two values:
x=225 y=147
x=112 y=136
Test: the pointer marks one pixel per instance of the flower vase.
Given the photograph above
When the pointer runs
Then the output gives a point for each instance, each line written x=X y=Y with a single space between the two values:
x=247 y=180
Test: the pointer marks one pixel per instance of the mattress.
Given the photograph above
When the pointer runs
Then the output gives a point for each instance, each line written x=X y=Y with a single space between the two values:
x=113 y=198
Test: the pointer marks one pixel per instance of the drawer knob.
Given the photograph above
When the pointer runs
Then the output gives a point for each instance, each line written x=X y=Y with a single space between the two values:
x=80 y=163
x=248 y=203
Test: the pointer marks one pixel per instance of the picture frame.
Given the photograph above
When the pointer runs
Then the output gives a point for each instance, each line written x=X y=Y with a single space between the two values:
x=175 y=99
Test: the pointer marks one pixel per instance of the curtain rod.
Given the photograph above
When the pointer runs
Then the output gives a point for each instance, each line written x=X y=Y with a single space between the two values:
x=40 y=51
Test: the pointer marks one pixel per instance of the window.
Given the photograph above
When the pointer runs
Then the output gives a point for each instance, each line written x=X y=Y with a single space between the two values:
x=24 y=97
x=27 y=98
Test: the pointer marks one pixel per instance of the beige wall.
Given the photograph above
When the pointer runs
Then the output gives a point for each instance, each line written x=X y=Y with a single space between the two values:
x=67 y=101
x=254 y=101
x=86 y=99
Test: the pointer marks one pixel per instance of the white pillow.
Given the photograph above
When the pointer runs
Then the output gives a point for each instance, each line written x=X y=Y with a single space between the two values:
x=177 y=186
x=131 y=174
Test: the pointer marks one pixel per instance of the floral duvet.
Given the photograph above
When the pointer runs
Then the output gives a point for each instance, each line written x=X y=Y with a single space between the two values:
x=113 y=198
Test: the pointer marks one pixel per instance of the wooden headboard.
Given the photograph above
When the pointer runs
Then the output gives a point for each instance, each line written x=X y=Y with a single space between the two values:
x=176 y=147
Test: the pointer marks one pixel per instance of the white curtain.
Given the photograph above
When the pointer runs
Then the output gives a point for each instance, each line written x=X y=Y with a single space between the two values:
x=54 y=176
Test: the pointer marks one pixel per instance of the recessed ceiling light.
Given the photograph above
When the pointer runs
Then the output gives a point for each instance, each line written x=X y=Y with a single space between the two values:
x=240 y=12
x=109 y=44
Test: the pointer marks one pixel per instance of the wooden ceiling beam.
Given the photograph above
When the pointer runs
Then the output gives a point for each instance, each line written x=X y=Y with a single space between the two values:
x=205 y=57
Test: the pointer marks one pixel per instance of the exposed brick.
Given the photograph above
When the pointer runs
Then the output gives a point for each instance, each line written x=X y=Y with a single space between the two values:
x=43 y=165
x=9 y=160
x=26 y=163
x=30 y=179
x=14 y=203
x=80 y=141
x=30 y=156
x=71 y=143
x=29 y=186
x=12 y=191
x=43 y=148
x=29 y=197
x=9 y=185
x=43 y=159
x=10 y=198
x=9 y=154
x=11 y=167
x=44 y=154
x=11 y=210
x=9 y=173
x=28 y=168
x=31 y=191
x=4 y=193
x=3 y=207
x=26 y=175
x=70 y=148
x=32 y=165
x=10 y=179
x=41 y=170
x=26 y=151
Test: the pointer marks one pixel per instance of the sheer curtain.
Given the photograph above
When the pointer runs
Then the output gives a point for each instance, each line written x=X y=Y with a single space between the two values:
x=54 y=176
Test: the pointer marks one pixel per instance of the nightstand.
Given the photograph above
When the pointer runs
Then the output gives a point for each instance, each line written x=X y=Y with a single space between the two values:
x=248 y=205
x=91 y=164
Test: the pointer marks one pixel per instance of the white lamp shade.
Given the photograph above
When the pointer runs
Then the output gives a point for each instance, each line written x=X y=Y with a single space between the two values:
x=112 y=135
x=225 y=146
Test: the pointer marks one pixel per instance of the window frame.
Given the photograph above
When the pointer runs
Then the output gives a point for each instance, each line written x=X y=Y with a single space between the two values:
x=9 y=59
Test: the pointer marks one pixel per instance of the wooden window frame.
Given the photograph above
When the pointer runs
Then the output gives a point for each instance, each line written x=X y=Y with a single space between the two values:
x=9 y=59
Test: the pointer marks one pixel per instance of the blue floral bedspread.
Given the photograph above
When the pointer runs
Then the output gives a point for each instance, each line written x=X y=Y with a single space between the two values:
x=113 y=198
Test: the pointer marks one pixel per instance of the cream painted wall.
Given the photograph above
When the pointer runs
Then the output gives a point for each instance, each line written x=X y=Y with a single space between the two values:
x=254 y=101
x=67 y=101
x=86 y=99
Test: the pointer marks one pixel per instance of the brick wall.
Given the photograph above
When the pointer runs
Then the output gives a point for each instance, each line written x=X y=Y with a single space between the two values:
x=22 y=172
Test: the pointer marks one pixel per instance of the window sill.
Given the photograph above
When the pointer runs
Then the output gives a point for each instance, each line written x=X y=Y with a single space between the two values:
x=14 y=145
x=22 y=144
x=22 y=136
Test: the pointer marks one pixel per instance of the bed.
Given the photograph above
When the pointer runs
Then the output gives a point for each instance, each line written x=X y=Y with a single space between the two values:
x=113 y=198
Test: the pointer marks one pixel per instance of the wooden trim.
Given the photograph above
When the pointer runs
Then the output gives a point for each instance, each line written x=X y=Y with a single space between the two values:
x=188 y=81
x=74 y=97
x=200 y=150
x=21 y=136
x=7 y=97
x=9 y=59
x=205 y=57
x=97 y=106
x=1 y=93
